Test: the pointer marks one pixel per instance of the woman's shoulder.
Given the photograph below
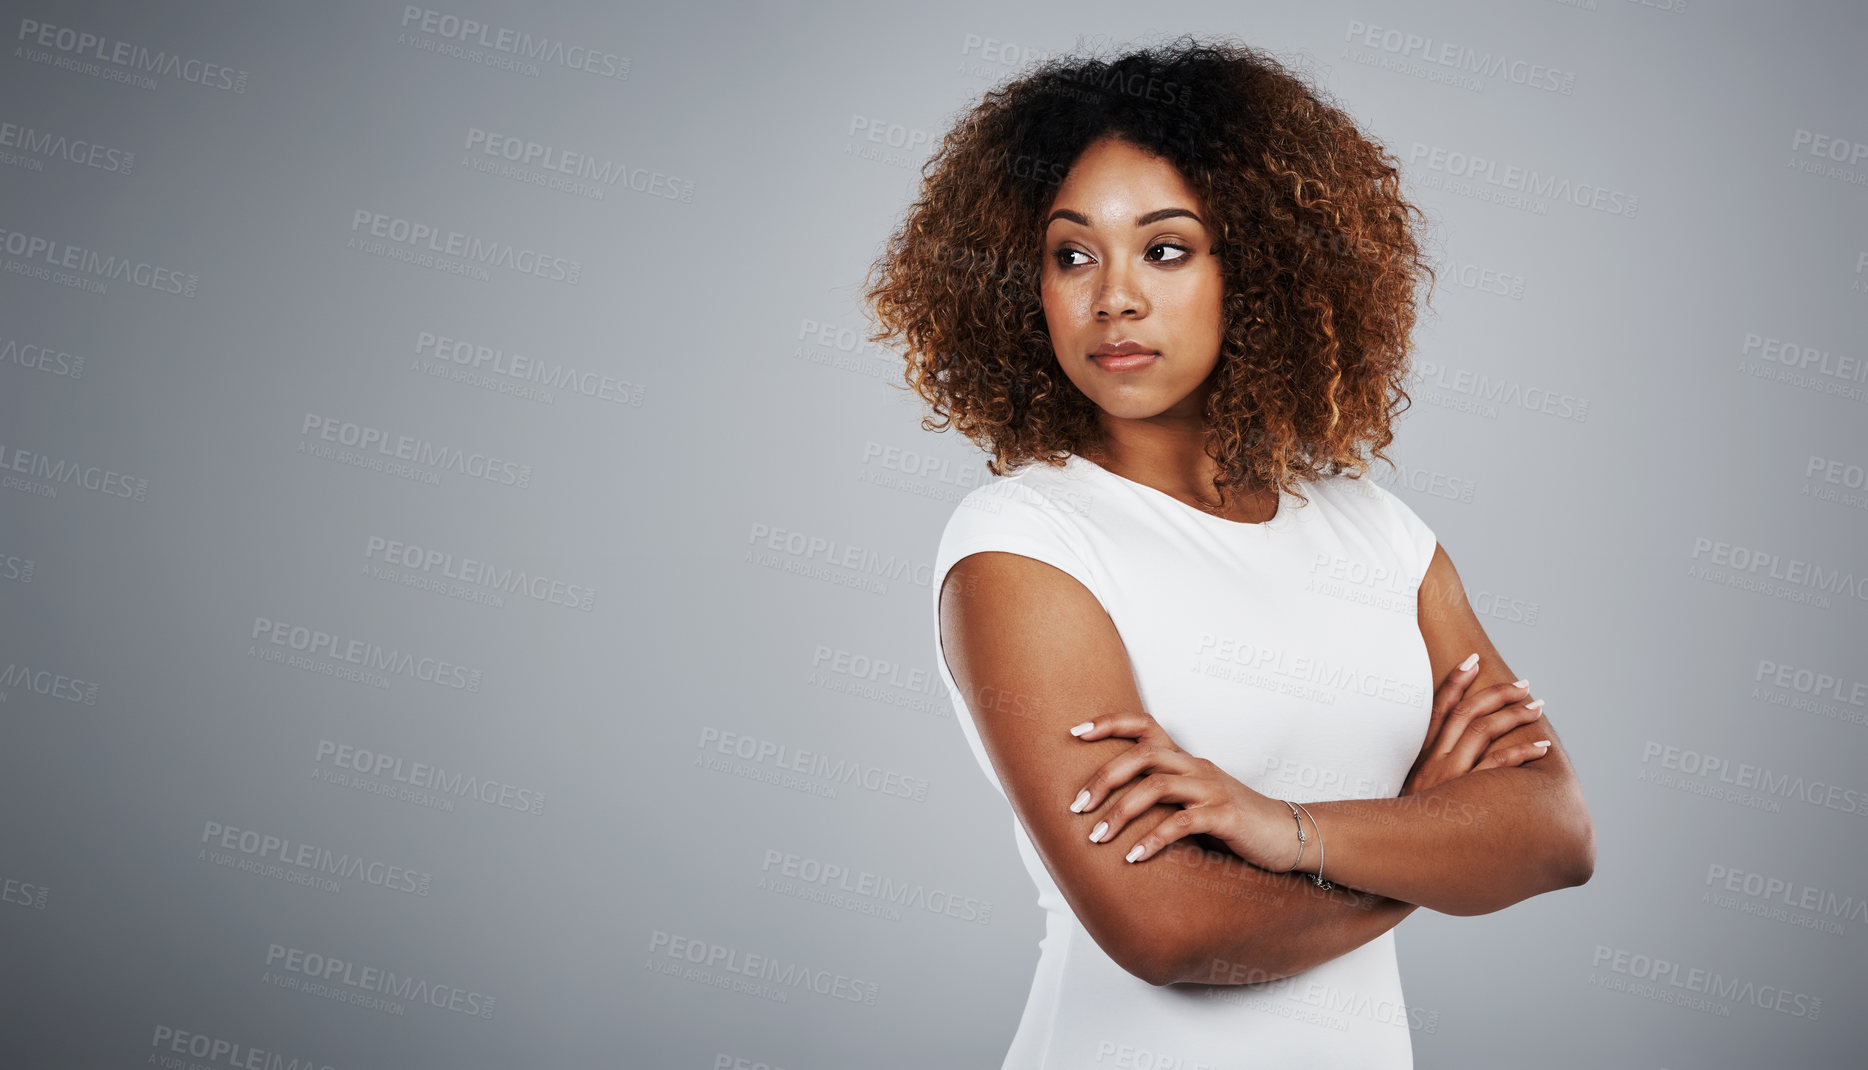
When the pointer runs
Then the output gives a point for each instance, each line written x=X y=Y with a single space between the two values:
x=1059 y=490
x=1352 y=491
x=1037 y=511
x=1369 y=504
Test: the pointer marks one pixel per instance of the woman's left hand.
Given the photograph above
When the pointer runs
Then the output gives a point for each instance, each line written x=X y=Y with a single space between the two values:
x=1257 y=828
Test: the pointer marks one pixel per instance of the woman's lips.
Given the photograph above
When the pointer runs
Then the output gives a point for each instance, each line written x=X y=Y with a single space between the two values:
x=1125 y=362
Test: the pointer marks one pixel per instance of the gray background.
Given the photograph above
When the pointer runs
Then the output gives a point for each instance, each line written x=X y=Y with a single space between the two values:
x=139 y=705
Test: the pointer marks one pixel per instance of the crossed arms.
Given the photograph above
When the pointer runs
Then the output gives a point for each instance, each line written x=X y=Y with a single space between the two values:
x=1034 y=653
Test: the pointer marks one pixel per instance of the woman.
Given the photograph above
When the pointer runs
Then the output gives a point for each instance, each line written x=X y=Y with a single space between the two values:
x=1195 y=645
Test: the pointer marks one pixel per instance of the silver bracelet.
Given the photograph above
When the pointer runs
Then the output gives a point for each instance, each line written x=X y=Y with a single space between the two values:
x=1318 y=876
x=1300 y=835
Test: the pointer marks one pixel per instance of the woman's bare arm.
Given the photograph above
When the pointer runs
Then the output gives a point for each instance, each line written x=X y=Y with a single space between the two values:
x=1482 y=841
x=1034 y=653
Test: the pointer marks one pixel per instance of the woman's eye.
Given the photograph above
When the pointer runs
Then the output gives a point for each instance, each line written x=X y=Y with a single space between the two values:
x=1062 y=256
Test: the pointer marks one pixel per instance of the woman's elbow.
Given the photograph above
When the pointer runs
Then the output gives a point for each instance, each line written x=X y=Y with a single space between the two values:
x=1565 y=858
x=1578 y=863
x=1569 y=858
x=1153 y=952
x=1162 y=962
x=1149 y=957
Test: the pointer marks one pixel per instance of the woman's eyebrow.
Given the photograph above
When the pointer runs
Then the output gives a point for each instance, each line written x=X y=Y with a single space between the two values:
x=1141 y=220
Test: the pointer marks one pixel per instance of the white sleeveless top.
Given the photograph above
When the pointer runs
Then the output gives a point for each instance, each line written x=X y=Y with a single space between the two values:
x=1290 y=654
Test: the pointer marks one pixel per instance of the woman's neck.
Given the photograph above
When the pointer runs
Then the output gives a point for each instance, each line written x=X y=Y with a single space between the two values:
x=1174 y=461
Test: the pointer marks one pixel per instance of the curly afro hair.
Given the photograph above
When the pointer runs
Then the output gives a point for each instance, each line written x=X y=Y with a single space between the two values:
x=1316 y=244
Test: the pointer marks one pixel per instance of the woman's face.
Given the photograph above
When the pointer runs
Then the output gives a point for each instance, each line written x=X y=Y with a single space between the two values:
x=1127 y=258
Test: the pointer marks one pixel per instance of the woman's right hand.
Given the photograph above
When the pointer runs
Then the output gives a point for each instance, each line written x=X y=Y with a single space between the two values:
x=1463 y=727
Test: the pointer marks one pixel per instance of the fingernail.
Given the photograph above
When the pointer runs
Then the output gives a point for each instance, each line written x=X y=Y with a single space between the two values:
x=1520 y=683
x=1096 y=834
x=1083 y=800
x=1534 y=704
x=1471 y=660
x=1082 y=728
x=1541 y=743
x=1135 y=852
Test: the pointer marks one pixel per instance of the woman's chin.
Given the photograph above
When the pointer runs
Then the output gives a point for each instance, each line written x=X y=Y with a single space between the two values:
x=1134 y=405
